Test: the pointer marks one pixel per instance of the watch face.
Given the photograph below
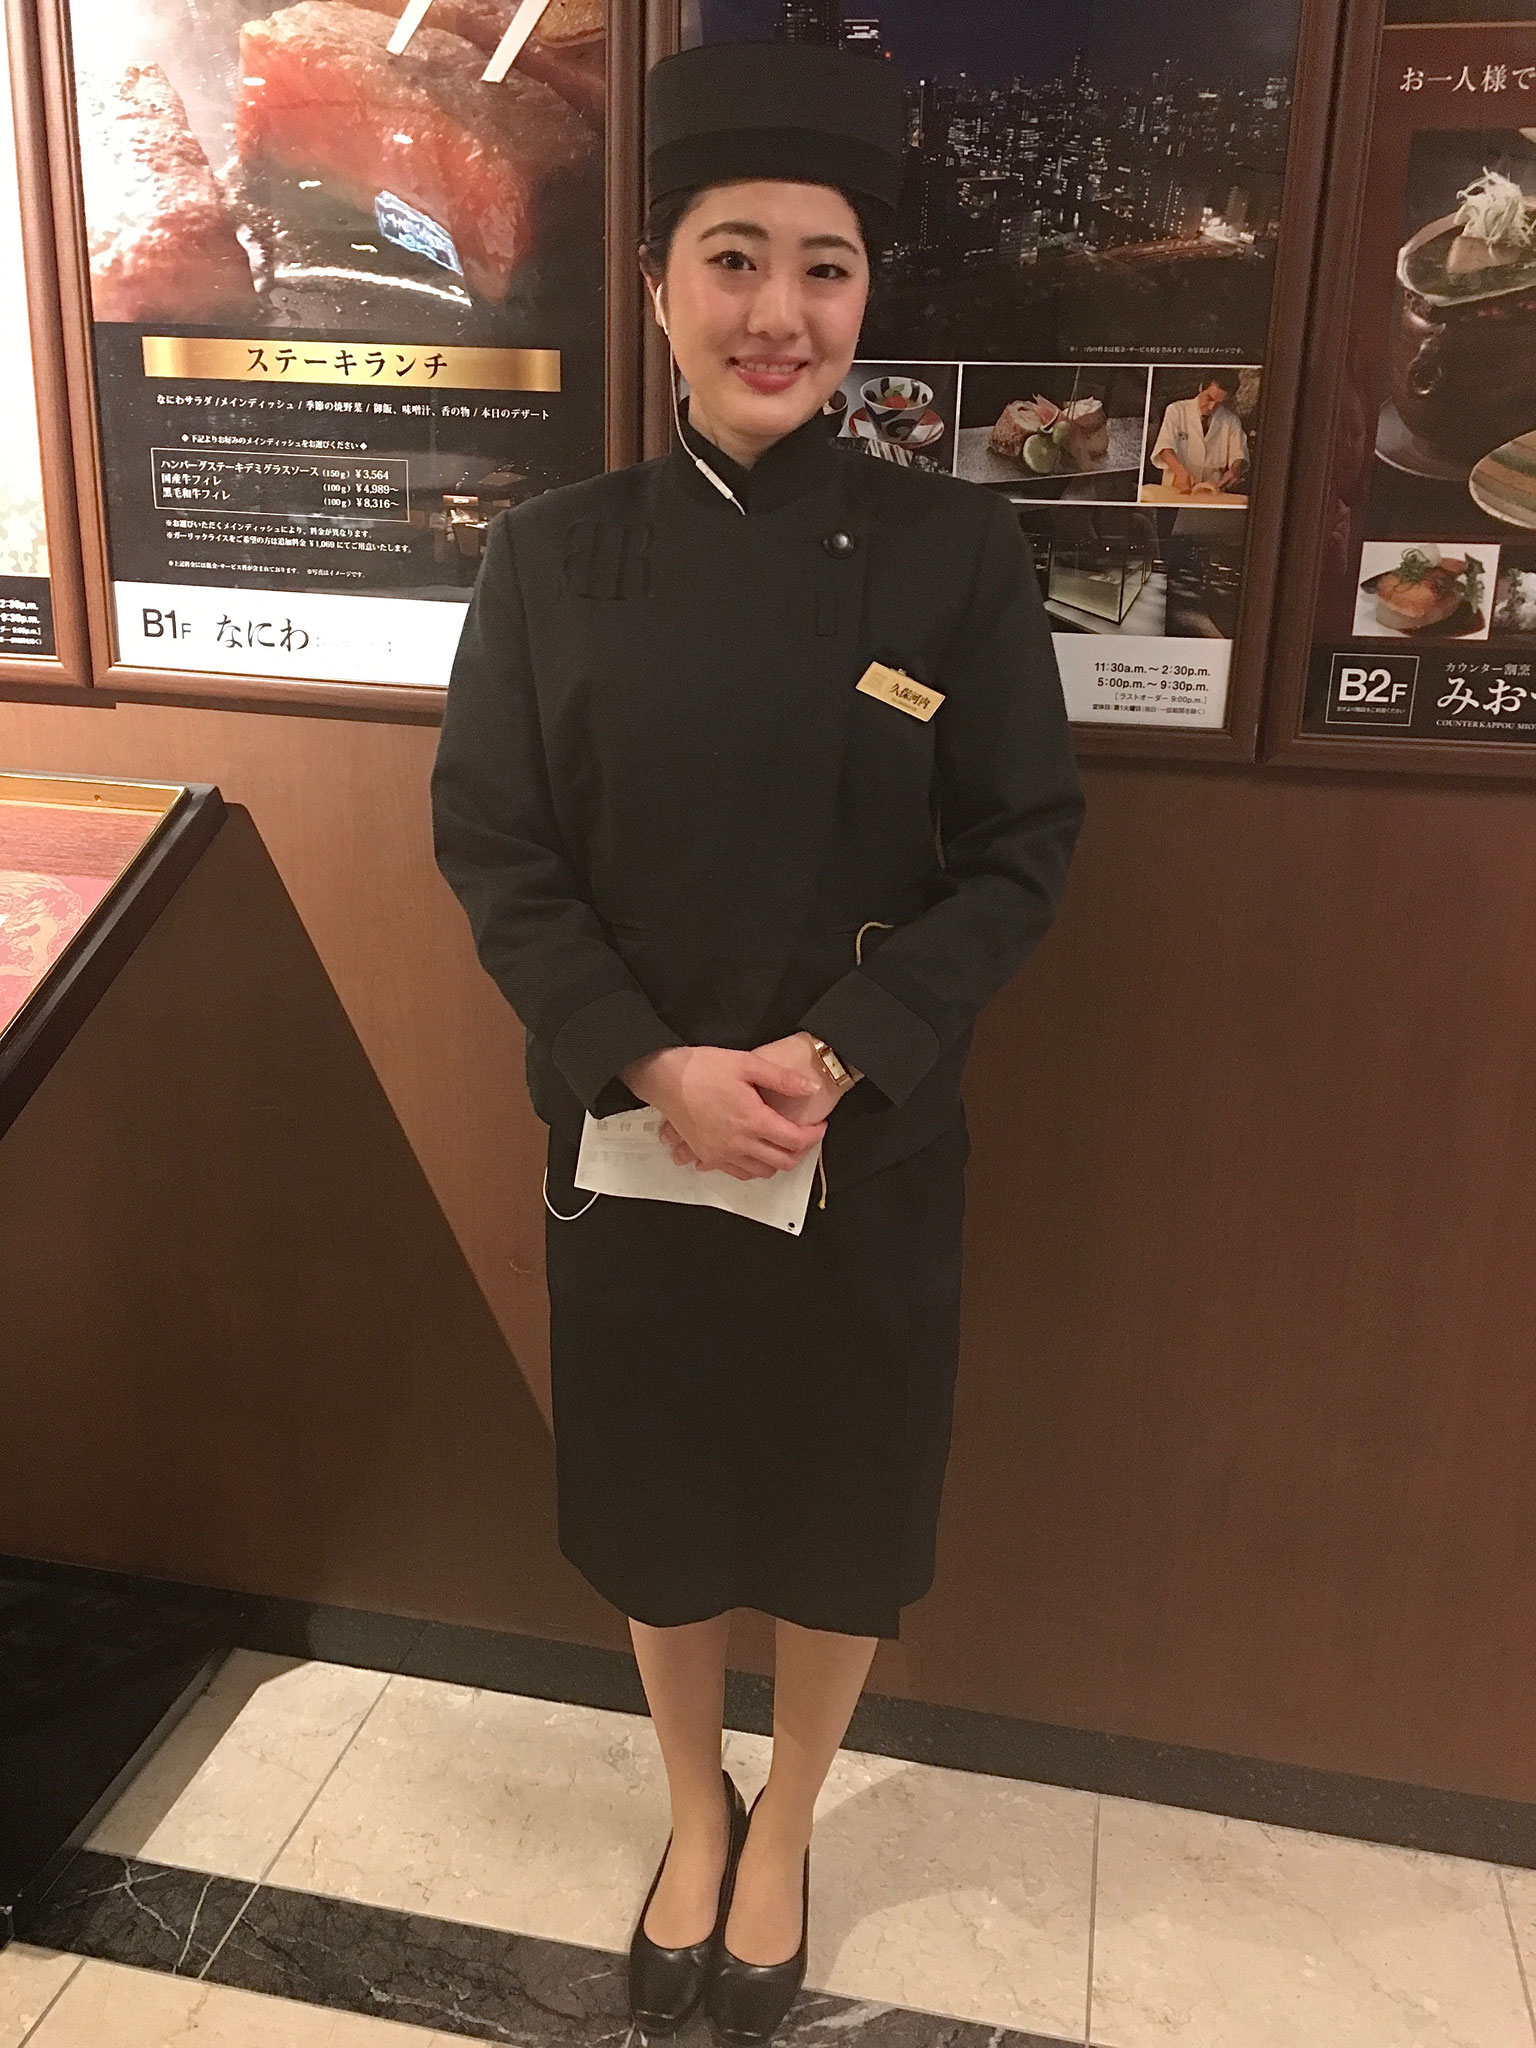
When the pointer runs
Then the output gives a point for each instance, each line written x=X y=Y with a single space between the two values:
x=830 y=1060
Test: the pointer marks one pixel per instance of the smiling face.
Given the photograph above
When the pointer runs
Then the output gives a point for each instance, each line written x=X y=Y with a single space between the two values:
x=764 y=295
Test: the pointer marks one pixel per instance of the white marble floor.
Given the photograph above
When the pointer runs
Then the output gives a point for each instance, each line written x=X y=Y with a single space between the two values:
x=1014 y=1905
x=108 y=2005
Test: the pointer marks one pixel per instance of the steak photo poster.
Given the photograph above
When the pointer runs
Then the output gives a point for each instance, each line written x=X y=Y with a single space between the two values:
x=1424 y=626
x=26 y=612
x=1075 y=306
x=347 y=302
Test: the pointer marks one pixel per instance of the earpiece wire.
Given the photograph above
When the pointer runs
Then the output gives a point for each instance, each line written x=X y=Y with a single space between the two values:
x=719 y=482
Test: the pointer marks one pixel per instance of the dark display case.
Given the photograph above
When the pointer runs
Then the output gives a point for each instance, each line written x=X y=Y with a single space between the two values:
x=90 y=1679
x=1099 y=577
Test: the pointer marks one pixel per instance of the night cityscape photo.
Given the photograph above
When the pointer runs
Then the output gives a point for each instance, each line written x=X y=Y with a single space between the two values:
x=1100 y=178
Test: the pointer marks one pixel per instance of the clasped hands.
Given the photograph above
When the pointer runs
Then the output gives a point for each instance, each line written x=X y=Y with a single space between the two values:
x=748 y=1114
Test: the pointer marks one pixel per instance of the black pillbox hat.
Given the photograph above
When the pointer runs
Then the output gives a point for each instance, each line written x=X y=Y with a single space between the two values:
x=807 y=111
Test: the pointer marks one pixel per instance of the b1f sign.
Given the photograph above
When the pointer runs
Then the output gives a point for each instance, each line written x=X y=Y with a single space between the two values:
x=1369 y=691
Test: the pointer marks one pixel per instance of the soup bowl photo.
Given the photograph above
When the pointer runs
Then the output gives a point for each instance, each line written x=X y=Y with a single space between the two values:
x=896 y=404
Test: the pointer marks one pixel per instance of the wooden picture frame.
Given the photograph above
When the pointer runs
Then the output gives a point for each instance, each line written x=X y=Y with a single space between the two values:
x=1313 y=498
x=621 y=373
x=1318 y=31
x=663 y=35
x=68 y=671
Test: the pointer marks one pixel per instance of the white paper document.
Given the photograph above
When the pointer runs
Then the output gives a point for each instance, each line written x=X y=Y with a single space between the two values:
x=624 y=1155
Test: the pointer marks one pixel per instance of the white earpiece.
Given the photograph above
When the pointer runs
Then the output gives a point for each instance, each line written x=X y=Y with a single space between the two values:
x=702 y=467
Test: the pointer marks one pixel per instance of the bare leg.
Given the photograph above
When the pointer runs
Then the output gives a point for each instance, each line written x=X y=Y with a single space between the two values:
x=818 y=1677
x=683 y=1671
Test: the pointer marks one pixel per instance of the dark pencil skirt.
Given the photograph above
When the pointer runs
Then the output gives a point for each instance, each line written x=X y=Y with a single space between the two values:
x=744 y=1418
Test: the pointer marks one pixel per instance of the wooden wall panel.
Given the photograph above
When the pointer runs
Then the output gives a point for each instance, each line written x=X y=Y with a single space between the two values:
x=1247 y=1412
x=342 y=807
x=242 y=1346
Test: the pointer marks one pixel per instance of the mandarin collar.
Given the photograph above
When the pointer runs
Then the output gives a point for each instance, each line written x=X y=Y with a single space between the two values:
x=799 y=461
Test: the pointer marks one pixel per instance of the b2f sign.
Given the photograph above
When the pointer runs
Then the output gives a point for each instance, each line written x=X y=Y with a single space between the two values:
x=1369 y=691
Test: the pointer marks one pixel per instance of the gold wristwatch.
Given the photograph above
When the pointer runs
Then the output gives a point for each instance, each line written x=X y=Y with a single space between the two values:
x=836 y=1071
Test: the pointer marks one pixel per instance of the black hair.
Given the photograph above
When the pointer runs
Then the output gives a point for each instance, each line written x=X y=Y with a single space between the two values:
x=1225 y=380
x=663 y=215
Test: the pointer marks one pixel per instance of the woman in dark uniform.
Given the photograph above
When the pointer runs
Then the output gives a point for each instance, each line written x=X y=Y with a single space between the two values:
x=755 y=783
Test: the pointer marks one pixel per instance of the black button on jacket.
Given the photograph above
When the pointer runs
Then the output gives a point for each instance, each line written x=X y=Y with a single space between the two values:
x=673 y=818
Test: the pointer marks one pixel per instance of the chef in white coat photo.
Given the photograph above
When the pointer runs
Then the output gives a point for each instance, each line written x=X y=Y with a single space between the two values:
x=1201 y=440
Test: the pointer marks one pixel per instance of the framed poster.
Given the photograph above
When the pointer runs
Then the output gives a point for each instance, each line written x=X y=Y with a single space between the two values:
x=1409 y=635
x=43 y=637
x=339 y=284
x=1091 y=306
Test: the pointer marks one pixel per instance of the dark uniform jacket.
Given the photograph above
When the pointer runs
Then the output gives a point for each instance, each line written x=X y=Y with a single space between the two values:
x=672 y=817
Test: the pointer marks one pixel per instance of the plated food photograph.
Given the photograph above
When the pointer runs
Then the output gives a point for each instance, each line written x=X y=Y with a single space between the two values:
x=900 y=412
x=1463 y=368
x=1514 y=598
x=1455 y=438
x=1425 y=589
x=329 y=165
x=1053 y=430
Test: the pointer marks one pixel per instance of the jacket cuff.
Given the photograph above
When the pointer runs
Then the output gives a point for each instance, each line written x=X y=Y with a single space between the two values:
x=599 y=1039
x=869 y=1028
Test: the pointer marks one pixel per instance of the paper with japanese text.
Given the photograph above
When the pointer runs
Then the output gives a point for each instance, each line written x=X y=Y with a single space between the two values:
x=624 y=1155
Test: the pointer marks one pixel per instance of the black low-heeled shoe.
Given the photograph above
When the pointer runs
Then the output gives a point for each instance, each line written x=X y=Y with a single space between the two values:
x=665 y=1984
x=747 y=2001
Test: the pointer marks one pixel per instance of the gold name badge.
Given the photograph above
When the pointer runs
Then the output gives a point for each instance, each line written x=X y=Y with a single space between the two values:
x=895 y=686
